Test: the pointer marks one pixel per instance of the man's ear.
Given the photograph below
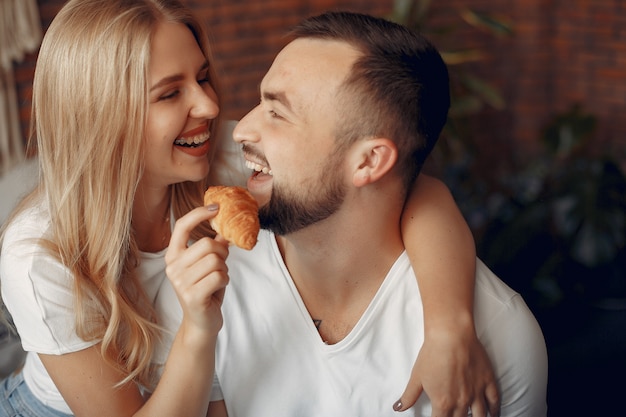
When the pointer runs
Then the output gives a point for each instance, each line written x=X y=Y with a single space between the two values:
x=375 y=158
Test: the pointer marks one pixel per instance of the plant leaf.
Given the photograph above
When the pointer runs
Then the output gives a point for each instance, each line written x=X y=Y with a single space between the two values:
x=488 y=93
x=462 y=57
x=463 y=106
x=490 y=23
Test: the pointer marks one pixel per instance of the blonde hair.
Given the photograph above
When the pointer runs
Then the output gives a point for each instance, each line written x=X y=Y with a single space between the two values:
x=90 y=101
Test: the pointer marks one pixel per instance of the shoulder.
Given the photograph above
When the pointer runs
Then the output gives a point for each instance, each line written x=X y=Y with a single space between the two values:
x=24 y=231
x=500 y=309
x=25 y=263
x=22 y=249
x=514 y=341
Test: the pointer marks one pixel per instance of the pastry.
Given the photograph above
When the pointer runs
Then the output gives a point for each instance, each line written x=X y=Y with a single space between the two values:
x=238 y=219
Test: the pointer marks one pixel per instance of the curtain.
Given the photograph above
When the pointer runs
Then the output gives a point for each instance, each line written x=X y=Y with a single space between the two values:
x=20 y=33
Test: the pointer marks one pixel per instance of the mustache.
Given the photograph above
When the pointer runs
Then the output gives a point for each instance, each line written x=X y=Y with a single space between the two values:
x=255 y=153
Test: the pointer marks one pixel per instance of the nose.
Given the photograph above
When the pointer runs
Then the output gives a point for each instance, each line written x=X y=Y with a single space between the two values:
x=204 y=103
x=244 y=130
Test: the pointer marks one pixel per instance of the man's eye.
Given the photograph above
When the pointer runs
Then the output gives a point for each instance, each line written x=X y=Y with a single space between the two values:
x=273 y=113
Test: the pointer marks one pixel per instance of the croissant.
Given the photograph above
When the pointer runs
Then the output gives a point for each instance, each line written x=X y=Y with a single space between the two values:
x=238 y=219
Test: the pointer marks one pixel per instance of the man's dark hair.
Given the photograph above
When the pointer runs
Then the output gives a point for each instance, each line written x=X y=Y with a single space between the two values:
x=398 y=88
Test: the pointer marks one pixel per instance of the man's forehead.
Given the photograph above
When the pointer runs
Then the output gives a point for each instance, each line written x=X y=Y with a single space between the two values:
x=317 y=53
x=309 y=64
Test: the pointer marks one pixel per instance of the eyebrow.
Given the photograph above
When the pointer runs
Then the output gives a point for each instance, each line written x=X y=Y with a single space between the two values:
x=278 y=96
x=176 y=77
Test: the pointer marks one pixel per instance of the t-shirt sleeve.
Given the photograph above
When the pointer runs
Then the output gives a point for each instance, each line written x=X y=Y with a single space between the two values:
x=524 y=362
x=515 y=344
x=38 y=293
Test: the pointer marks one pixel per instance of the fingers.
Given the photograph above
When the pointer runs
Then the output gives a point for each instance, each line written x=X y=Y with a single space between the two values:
x=477 y=409
x=411 y=393
x=198 y=271
x=201 y=294
x=185 y=225
x=204 y=260
x=191 y=263
x=492 y=396
x=455 y=386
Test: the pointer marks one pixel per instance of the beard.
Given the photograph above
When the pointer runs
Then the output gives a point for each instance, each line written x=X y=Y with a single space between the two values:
x=290 y=211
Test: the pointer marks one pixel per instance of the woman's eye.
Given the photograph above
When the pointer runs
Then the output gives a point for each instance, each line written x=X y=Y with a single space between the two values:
x=169 y=95
x=204 y=77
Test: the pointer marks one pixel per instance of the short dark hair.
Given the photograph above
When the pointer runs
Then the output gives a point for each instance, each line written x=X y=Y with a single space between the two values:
x=398 y=88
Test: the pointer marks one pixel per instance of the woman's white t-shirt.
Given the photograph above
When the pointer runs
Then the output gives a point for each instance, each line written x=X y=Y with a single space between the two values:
x=38 y=292
x=37 y=289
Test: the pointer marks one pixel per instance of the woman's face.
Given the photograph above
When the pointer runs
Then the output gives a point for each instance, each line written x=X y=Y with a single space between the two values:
x=181 y=105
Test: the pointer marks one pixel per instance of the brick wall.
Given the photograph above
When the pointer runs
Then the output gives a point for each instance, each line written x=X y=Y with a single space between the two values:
x=246 y=35
x=564 y=51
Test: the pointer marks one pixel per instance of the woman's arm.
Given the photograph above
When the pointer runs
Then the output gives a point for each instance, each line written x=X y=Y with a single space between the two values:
x=199 y=275
x=217 y=409
x=452 y=366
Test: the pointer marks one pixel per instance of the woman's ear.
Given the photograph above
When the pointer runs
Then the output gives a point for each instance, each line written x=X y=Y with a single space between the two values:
x=376 y=157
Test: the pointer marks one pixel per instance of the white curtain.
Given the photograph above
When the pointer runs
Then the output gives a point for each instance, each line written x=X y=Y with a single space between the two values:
x=20 y=33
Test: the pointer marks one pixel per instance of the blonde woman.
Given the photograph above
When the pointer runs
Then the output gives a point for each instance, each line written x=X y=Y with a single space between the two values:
x=125 y=115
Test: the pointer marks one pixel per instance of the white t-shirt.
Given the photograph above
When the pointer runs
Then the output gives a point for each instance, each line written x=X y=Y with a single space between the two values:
x=37 y=289
x=38 y=292
x=272 y=362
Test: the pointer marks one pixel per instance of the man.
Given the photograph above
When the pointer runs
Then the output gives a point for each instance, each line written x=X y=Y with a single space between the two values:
x=320 y=317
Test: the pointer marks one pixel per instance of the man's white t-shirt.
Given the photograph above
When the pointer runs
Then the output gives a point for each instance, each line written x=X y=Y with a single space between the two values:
x=272 y=362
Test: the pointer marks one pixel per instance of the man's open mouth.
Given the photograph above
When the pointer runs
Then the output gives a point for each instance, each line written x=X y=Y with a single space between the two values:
x=258 y=167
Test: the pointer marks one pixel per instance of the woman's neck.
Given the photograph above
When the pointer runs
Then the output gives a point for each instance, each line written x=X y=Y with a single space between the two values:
x=151 y=219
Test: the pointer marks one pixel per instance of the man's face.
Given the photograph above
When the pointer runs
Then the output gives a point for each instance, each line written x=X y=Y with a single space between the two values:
x=289 y=138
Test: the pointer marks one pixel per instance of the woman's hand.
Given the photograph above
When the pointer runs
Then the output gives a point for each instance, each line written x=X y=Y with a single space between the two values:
x=198 y=272
x=199 y=276
x=455 y=371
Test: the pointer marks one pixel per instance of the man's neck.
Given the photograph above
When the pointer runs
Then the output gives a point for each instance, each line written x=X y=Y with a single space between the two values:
x=339 y=264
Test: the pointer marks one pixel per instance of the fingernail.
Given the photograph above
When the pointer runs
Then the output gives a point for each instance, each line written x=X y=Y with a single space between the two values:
x=397 y=406
x=212 y=207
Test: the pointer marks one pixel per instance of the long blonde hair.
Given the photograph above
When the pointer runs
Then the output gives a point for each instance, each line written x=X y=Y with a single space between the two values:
x=90 y=103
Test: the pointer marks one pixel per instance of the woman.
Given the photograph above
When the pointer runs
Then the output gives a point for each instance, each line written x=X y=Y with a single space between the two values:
x=124 y=109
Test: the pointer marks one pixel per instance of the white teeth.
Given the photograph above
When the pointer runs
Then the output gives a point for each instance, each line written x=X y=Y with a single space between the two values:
x=258 y=168
x=194 y=140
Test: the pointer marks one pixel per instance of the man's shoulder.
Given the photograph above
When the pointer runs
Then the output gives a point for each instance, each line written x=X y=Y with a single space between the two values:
x=489 y=283
x=501 y=314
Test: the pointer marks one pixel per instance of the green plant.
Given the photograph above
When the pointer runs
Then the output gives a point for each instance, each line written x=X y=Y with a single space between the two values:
x=554 y=229
x=470 y=93
x=558 y=227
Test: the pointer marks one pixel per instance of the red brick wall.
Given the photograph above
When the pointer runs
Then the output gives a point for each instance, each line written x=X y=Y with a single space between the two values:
x=564 y=51
x=246 y=35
